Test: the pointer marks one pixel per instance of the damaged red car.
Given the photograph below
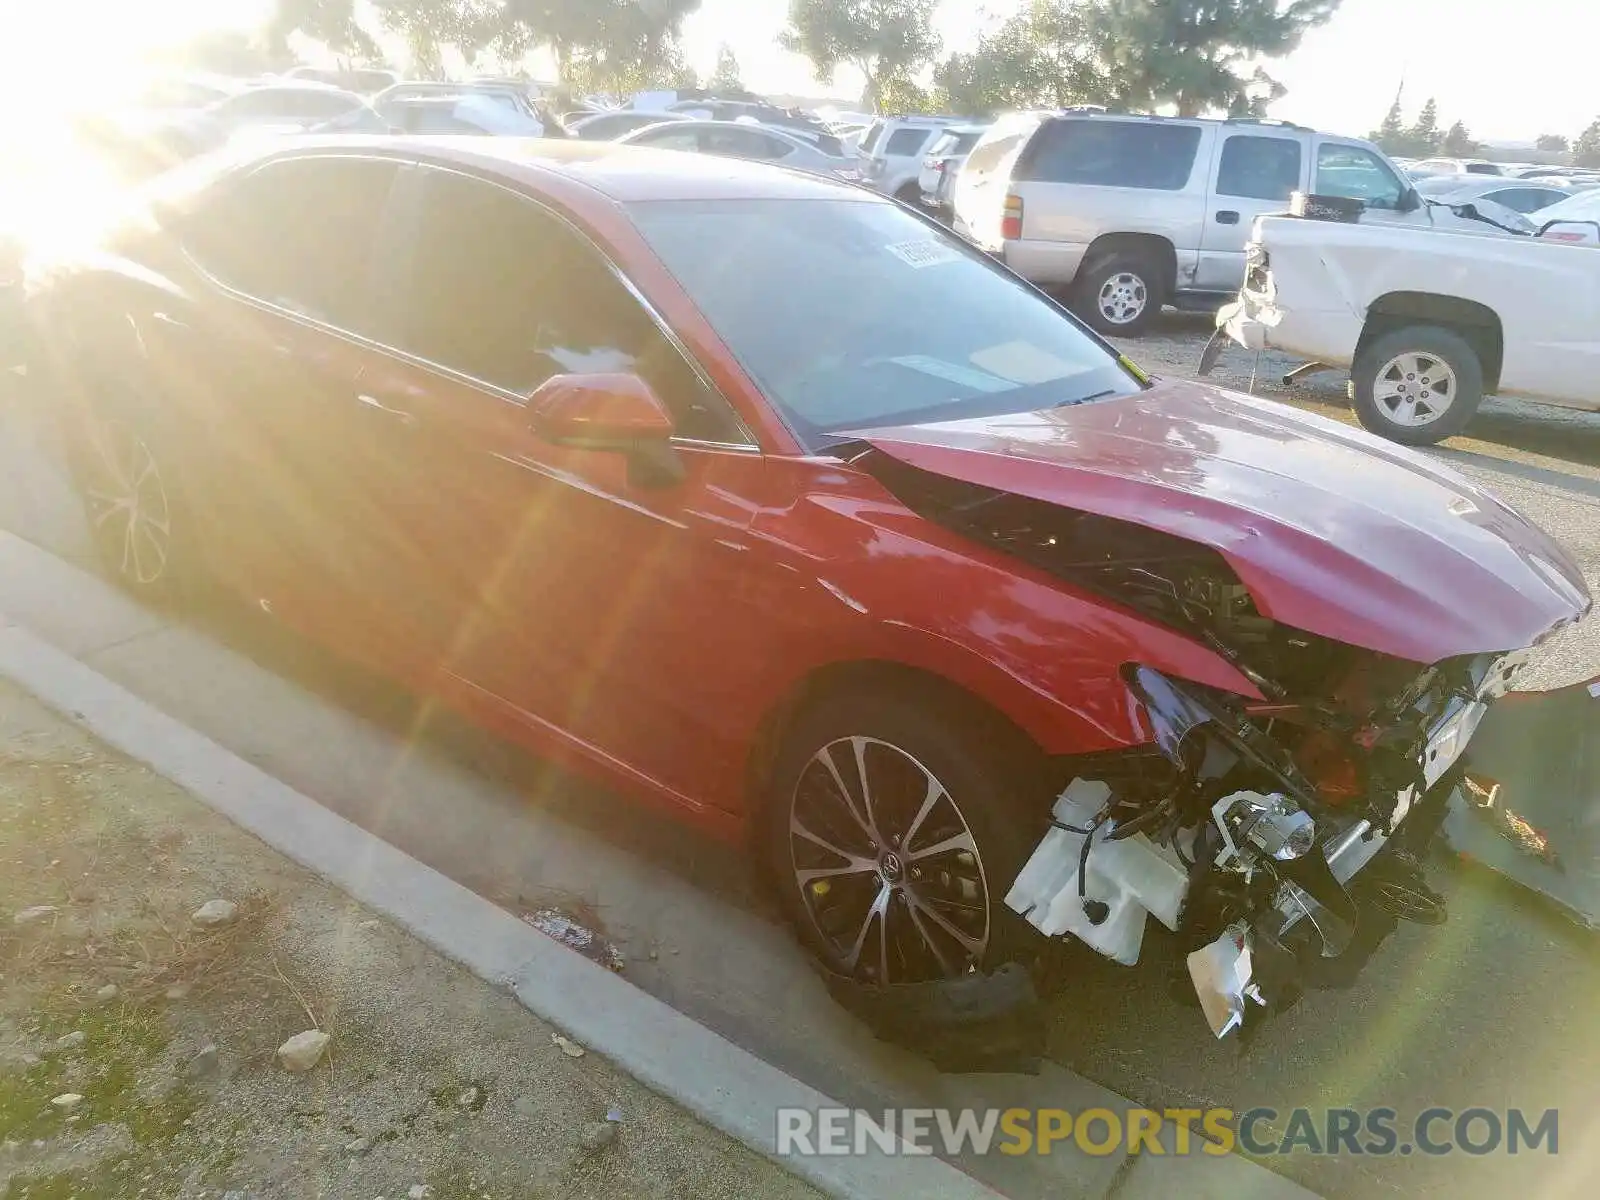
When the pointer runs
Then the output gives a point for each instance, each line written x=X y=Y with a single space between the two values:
x=769 y=502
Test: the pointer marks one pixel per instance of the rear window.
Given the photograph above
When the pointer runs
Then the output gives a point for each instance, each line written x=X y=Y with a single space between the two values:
x=905 y=142
x=1259 y=168
x=990 y=155
x=869 y=142
x=1136 y=154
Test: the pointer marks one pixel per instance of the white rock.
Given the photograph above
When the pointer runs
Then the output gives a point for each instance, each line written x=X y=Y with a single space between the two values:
x=419 y=1191
x=67 y=1101
x=37 y=913
x=109 y=992
x=69 y=1041
x=215 y=912
x=304 y=1050
x=568 y=1047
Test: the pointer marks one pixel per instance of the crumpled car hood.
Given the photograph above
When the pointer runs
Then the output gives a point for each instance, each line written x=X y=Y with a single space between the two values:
x=1334 y=531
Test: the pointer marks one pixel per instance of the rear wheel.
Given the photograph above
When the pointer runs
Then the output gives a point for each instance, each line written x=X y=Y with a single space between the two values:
x=133 y=502
x=894 y=834
x=1120 y=294
x=1417 y=385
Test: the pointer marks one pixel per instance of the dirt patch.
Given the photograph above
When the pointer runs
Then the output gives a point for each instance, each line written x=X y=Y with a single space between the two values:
x=138 y=1046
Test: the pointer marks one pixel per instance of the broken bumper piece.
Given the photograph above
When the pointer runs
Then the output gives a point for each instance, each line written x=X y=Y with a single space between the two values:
x=1529 y=805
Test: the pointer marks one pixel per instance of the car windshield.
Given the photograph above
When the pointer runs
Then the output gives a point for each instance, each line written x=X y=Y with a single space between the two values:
x=854 y=314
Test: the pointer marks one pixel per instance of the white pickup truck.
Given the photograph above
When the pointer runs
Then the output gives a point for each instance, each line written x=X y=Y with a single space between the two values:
x=1427 y=321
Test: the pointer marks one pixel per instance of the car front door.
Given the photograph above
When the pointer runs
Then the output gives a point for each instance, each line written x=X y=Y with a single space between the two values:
x=554 y=580
x=1359 y=173
x=1254 y=174
x=264 y=366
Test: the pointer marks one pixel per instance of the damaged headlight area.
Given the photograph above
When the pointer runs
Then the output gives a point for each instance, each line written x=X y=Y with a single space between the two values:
x=1281 y=842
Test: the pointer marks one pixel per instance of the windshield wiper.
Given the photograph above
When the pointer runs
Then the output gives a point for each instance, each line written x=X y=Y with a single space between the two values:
x=1087 y=399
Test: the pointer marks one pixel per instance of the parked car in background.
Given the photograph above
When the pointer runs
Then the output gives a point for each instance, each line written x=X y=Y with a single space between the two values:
x=892 y=150
x=742 y=139
x=1123 y=214
x=945 y=156
x=271 y=108
x=966 y=630
x=605 y=127
x=1427 y=321
x=364 y=81
x=1519 y=195
x=1576 y=217
x=471 y=113
x=512 y=95
x=1455 y=166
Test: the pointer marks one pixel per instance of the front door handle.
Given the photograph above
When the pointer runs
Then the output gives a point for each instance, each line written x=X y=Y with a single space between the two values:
x=378 y=406
x=1227 y=217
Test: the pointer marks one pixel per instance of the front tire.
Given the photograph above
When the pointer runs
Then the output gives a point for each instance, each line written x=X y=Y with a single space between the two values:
x=1417 y=385
x=894 y=832
x=1119 y=295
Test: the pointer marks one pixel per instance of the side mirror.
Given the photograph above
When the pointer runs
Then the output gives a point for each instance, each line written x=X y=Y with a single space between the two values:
x=1575 y=233
x=609 y=411
x=1410 y=200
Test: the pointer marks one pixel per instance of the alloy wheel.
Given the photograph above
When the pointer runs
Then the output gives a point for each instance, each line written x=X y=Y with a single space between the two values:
x=129 y=512
x=1123 y=298
x=1414 y=389
x=886 y=865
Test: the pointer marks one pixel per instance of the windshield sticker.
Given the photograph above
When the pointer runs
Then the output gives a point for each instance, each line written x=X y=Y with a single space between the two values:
x=926 y=253
x=978 y=381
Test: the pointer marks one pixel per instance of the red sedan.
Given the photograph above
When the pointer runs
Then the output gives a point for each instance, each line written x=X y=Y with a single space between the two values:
x=769 y=502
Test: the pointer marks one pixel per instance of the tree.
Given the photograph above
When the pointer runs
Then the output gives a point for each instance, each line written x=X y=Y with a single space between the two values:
x=602 y=45
x=1586 y=151
x=1391 y=135
x=331 y=22
x=882 y=39
x=1552 y=143
x=1192 y=54
x=1423 y=137
x=726 y=77
x=429 y=26
x=1040 y=58
x=1458 y=142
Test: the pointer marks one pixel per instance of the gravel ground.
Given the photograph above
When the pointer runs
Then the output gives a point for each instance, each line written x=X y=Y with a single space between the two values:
x=138 y=1046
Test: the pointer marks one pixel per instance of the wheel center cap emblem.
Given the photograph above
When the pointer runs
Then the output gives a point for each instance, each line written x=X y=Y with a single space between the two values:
x=891 y=867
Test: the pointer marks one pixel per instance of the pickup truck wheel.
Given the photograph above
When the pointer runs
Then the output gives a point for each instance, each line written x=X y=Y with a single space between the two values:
x=1119 y=295
x=1417 y=385
x=894 y=830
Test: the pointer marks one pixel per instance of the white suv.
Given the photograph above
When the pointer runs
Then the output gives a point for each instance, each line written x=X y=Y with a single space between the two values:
x=1127 y=213
x=892 y=150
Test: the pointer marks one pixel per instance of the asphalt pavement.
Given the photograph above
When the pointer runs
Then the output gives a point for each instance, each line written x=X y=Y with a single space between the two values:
x=1489 y=1010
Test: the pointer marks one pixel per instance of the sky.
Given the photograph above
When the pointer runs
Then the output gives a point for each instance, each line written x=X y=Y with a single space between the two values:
x=1509 y=72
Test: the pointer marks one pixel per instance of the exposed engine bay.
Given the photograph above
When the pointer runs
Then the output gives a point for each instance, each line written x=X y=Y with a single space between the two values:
x=1280 y=839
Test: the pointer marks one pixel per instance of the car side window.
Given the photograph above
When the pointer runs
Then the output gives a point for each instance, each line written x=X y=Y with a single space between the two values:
x=903 y=143
x=1357 y=174
x=1133 y=154
x=745 y=143
x=1524 y=199
x=1258 y=168
x=673 y=139
x=504 y=292
x=255 y=237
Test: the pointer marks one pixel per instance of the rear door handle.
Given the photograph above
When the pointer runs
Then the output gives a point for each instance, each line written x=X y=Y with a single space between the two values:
x=1227 y=217
x=378 y=406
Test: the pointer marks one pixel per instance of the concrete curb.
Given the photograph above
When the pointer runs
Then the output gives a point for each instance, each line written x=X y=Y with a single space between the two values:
x=725 y=1086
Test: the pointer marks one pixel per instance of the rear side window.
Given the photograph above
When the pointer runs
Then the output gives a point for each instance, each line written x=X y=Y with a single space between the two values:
x=257 y=236
x=990 y=155
x=870 y=142
x=504 y=292
x=945 y=144
x=1136 y=154
x=1259 y=168
x=905 y=142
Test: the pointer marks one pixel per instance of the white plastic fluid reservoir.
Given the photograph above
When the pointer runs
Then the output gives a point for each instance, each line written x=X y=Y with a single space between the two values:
x=1133 y=877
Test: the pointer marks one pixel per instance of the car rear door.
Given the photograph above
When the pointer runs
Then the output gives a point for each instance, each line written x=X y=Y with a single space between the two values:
x=547 y=578
x=1254 y=173
x=266 y=366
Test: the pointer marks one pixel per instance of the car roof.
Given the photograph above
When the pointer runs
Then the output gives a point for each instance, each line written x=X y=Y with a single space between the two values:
x=618 y=171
